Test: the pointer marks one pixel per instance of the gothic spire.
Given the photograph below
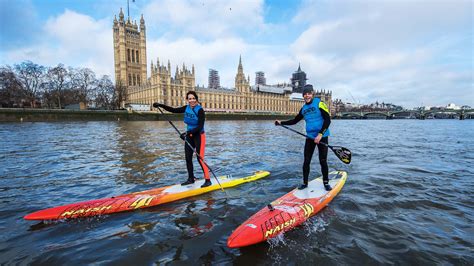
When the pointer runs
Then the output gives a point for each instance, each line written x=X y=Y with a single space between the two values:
x=240 y=68
x=121 y=15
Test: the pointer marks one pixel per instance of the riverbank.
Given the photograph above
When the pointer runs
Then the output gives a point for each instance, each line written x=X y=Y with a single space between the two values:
x=49 y=115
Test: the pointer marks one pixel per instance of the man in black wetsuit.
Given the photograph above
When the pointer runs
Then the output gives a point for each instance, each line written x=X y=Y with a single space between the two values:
x=317 y=118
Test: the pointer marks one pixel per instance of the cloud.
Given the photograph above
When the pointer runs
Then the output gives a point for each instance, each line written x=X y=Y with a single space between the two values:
x=395 y=51
x=205 y=19
x=72 y=39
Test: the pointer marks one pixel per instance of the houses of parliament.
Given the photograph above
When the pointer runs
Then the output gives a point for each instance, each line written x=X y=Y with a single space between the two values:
x=131 y=71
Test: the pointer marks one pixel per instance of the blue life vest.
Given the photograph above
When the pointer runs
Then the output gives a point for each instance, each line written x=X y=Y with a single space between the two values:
x=313 y=118
x=191 y=117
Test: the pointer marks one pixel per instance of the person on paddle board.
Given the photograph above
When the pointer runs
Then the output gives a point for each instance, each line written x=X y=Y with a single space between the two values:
x=194 y=118
x=317 y=118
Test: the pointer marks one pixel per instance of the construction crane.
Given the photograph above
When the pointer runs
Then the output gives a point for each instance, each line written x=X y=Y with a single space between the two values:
x=353 y=98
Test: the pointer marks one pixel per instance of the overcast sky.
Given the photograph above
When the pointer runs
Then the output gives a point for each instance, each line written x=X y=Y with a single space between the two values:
x=409 y=53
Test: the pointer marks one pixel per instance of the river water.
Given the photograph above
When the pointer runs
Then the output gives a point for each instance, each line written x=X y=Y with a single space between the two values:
x=409 y=197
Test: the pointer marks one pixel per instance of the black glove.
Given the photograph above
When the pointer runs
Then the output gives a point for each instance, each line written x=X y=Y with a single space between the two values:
x=277 y=123
x=183 y=135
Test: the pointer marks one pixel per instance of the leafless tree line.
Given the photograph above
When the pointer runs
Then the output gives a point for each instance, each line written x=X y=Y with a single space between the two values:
x=31 y=85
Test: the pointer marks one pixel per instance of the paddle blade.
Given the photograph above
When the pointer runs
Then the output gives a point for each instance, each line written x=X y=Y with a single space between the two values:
x=342 y=153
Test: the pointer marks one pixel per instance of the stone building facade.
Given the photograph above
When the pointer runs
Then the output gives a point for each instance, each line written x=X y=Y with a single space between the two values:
x=163 y=87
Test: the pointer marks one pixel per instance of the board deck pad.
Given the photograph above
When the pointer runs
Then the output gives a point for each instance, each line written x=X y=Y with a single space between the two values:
x=138 y=200
x=287 y=212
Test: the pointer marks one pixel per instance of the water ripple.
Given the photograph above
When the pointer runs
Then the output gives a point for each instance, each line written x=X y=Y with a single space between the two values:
x=408 y=198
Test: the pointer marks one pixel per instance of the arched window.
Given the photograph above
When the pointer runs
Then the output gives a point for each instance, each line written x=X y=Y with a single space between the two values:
x=128 y=55
x=129 y=80
x=133 y=56
x=137 y=57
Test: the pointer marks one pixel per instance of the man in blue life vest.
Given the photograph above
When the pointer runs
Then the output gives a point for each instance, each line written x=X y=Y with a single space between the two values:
x=317 y=118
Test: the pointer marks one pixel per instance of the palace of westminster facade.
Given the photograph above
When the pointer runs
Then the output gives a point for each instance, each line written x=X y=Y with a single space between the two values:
x=131 y=71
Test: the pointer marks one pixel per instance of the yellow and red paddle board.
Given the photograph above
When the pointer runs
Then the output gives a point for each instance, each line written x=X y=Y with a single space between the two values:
x=138 y=200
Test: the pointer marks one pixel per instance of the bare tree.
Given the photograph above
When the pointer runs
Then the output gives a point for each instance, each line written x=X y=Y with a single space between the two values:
x=11 y=92
x=30 y=76
x=104 y=93
x=83 y=83
x=120 y=96
x=57 y=82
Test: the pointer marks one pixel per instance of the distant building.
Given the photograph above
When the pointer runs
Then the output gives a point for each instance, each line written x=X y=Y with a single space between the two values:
x=298 y=80
x=452 y=106
x=163 y=87
x=214 y=79
x=260 y=78
x=129 y=51
x=137 y=107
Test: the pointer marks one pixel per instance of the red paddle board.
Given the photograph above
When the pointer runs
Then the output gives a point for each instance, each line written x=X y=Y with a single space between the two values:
x=287 y=212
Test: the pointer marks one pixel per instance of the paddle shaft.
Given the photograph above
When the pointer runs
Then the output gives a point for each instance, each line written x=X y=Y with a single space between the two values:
x=304 y=135
x=194 y=149
x=342 y=153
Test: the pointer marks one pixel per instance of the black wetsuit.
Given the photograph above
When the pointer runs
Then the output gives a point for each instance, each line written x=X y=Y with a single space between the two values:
x=310 y=146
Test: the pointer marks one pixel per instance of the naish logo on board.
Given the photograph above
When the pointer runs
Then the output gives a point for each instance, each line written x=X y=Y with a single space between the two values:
x=85 y=211
x=140 y=202
x=308 y=209
x=280 y=227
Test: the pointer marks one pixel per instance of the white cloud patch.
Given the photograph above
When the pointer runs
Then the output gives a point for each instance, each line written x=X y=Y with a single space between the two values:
x=205 y=19
x=376 y=62
x=72 y=39
x=402 y=52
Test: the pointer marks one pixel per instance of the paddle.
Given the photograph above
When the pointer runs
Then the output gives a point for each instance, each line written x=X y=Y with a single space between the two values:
x=342 y=153
x=194 y=149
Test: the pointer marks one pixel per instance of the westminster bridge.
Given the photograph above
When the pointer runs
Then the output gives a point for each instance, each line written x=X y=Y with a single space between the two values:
x=408 y=114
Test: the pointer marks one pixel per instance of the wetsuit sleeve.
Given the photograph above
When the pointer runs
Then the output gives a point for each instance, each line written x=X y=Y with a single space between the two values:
x=172 y=109
x=201 y=118
x=327 y=118
x=293 y=121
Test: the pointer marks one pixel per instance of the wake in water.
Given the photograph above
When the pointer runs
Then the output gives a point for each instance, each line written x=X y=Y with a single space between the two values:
x=315 y=225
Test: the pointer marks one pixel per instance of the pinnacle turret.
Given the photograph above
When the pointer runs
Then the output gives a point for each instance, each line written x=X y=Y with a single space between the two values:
x=121 y=15
x=240 y=69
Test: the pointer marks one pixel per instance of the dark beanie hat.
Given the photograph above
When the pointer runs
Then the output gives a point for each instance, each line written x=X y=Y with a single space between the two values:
x=307 y=88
